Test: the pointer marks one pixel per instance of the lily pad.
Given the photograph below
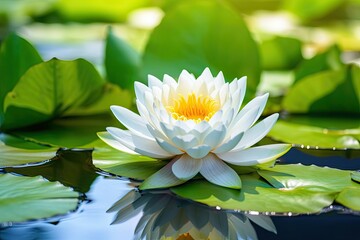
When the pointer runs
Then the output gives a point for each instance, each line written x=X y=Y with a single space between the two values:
x=257 y=195
x=355 y=176
x=350 y=197
x=25 y=198
x=318 y=132
x=122 y=62
x=16 y=56
x=68 y=132
x=50 y=89
x=197 y=34
x=292 y=176
x=331 y=91
x=12 y=156
x=123 y=164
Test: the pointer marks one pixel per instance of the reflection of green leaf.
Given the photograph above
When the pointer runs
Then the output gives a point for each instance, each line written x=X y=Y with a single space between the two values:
x=280 y=53
x=72 y=168
x=350 y=197
x=201 y=34
x=297 y=175
x=124 y=164
x=318 y=137
x=68 y=132
x=16 y=57
x=24 y=198
x=122 y=62
x=332 y=91
x=257 y=195
x=328 y=60
x=51 y=89
x=11 y=156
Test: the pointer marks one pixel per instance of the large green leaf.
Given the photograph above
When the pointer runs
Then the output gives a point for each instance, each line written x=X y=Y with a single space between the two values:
x=257 y=195
x=51 y=89
x=199 y=34
x=16 y=57
x=12 y=156
x=332 y=91
x=124 y=164
x=25 y=198
x=296 y=175
x=327 y=60
x=122 y=62
x=308 y=10
x=318 y=132
x=280 y=53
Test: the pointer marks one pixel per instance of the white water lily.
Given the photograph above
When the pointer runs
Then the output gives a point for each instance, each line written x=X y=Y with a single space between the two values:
x=196 y=125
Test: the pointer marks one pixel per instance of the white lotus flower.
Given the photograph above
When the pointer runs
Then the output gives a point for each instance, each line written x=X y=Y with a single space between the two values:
x=196 y=125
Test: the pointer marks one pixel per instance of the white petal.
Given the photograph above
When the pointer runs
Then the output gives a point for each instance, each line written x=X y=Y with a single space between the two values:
x=206 y=76
x=216 y=136
x=229 y=144
x=217 y=172
x=258 y=103
x=219 y=80
x=185 y=141
x=168 y=80
x=163 y=178
x=198 y=151
x=255 y=155
x=140 y=90
x=154 y=82
x=216 y=118
x=185 y=83
x=111 y=141
x=257 y=132
x=245 y=122
x=143 y=146
x=131 y=121
x=168 y=147
x=263 y=221
x=186 y=167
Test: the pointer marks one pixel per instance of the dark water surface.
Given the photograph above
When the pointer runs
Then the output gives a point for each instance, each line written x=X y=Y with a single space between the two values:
x=100 y=192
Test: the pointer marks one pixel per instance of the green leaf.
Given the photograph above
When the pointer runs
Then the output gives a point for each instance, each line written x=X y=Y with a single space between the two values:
x=318 y=132
x=296 y=175
x=123 y=164
x=68 y=132
x=25 y=198
x=355 y=176
x=257 y=195
x=122 y=62
x=16 y=56
x=280 y=53
x=12 y=156
x=350 y=197
x=328 y=60
x=332 y=91
x=308 y=10
x=51 y=89
x=199 y=34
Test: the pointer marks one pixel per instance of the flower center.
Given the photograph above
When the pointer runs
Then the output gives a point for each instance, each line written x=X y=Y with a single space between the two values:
x=197 y=108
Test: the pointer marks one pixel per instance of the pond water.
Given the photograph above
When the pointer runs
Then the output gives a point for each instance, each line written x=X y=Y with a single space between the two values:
x=101 y=191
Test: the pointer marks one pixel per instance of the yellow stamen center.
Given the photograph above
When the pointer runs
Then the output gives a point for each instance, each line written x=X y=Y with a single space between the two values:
x=197 y=108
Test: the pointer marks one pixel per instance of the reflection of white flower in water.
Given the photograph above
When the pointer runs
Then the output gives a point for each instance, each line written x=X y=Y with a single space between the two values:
x=166 y=216
x=196 y=123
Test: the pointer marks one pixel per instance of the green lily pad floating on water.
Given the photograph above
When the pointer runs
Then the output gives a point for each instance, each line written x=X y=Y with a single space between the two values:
x=257 y=195
x=292 y=189
x=12 y=156
x=318 y=132
x=350 y=197
x=26 y=198
x=355 y=176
